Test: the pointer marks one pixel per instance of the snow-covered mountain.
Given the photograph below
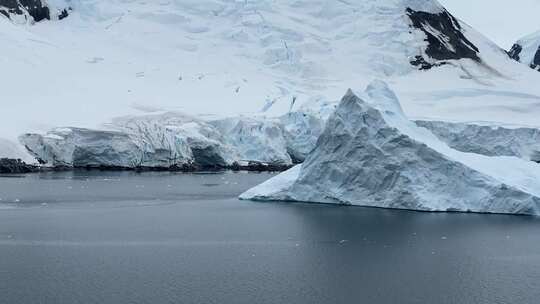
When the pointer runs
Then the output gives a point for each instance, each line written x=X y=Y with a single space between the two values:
x=527 y=51
x=220 y=58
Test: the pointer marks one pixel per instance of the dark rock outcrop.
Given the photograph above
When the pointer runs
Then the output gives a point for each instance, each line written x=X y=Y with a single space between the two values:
x=518 y=53
x=535 y=64
x=34 y=9
x=63 y=14
x=447 y=42
x=422 y=64
x=515 y=52
x=8 y=165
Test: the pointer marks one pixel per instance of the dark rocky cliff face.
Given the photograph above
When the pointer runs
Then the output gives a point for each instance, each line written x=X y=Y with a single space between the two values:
x=15 y=166
x=515 y=53
x=35 y=9
x=535 y=64
x=445 y=39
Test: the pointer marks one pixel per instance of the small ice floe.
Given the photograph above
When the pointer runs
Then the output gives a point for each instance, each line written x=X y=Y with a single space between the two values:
x=95 y=60
x=443 y=238
x=44 y=204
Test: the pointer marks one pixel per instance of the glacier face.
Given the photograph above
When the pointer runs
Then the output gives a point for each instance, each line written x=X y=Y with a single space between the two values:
x=301 y=131
x=175 y=139
x=185 y=138
x=487 y=140
x=255 y=139
x=83 y=148
x=369 y=154
x=151 y=141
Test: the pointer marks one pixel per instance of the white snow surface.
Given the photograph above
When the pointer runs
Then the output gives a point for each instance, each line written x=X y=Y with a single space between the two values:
x=10 y=149
x=113 y=58
x=370 y=154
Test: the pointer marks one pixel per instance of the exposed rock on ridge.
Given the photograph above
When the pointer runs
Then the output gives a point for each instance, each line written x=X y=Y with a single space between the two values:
x=444 y=37
x=36 y=10
x=527 y=51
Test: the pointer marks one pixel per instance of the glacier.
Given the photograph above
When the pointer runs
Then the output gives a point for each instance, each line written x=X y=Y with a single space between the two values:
x=490 y=140
x=370 y=154
x=177 y=140
x=249 y=58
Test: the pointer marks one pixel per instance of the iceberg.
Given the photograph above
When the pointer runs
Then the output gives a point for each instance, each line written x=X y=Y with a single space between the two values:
x=370 y=154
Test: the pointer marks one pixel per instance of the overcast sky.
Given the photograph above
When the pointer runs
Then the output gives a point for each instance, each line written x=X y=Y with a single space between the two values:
x=502 y=21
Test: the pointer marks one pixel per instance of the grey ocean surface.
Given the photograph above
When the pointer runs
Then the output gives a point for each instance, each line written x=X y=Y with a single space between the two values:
x=102 y=237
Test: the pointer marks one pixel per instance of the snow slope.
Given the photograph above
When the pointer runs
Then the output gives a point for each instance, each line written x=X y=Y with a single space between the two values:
x=518 y=16
x=221 y=58
x=10 y=149
x=370 y=154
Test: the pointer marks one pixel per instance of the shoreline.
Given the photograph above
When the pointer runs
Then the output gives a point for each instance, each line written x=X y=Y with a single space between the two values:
x=17 y=166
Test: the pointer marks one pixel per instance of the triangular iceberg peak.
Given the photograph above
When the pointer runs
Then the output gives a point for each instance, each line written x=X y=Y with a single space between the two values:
x=370 y=154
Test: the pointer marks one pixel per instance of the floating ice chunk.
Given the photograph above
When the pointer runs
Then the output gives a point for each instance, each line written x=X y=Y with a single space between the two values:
x=370 y=154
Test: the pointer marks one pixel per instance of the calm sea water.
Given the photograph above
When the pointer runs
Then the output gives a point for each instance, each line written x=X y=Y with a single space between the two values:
x=94 y=237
